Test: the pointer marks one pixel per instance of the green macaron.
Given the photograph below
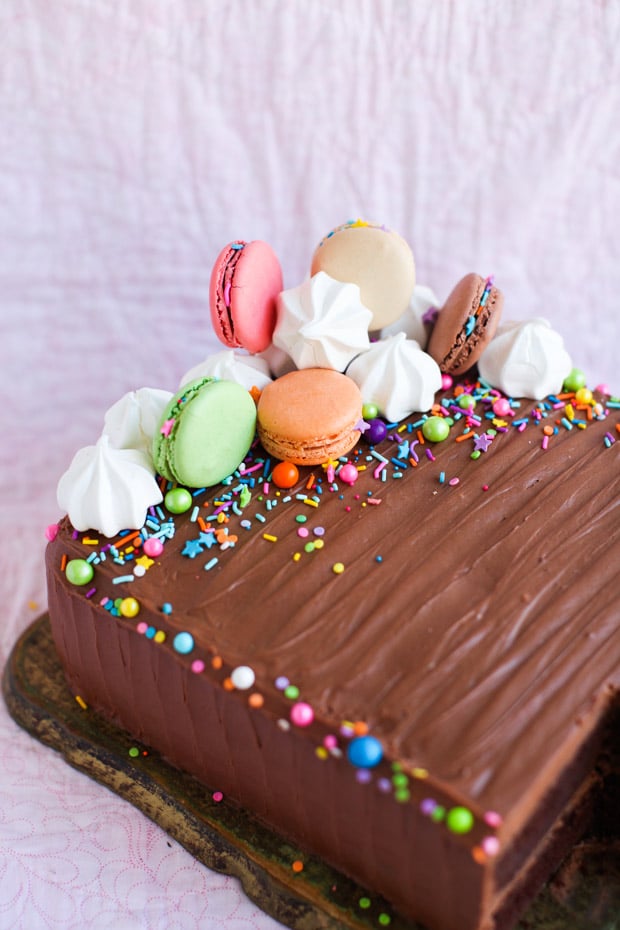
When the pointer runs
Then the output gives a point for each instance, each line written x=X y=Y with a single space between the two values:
x=205 y=432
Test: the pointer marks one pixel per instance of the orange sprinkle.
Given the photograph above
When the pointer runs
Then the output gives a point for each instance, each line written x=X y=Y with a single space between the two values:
x=458 y=390
x=618 y=427
x=126 y=539
x=360 y=728
x=478 y=855
x=216 y=662
x=548 y=430
x=255 y=393
x=413 y=462
x=420 y=437
x=566 y=396
x=310 y=482
x=203 y=526
x=256 y=700
x=228 y=684
x=463 y=436
x=297 y=866
x=63 y=563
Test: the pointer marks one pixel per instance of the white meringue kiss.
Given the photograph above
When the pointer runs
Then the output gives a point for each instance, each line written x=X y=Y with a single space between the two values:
x=397 y=376
x=108 y=489
x=322 y=323
x=247 y=370
x=526 y=359
x=411 y=323
x=131 y=422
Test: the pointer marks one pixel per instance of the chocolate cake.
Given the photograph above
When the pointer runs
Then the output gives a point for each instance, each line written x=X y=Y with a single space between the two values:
x=410 y=667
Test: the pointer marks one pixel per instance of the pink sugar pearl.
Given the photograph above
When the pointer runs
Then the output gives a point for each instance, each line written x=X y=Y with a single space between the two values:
x=501 y=407
x=348 y=473
x=302 y=714
x=153 y=547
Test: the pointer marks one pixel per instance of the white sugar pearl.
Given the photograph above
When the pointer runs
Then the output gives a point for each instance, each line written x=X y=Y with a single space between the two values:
x=243 y=677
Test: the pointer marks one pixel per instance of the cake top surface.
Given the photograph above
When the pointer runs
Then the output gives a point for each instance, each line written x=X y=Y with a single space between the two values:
x=461 y=610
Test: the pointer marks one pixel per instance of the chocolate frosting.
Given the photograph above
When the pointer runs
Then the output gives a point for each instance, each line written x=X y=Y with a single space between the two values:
x=473 y=628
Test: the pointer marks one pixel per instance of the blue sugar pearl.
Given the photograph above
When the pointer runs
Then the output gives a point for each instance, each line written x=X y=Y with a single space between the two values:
x=365 y=752
x=183 y=643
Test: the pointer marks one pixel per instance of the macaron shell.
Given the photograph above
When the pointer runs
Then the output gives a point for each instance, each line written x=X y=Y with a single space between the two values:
x=245 y=284
x=211 y=434
x=378 y=260
x=454 y=351
x=309 y=416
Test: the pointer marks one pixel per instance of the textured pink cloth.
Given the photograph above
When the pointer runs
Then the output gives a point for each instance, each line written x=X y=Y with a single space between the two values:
x=136 y=138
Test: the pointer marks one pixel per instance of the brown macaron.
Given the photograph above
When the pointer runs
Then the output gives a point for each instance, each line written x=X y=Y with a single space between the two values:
x=466 y=324
x=309 y=416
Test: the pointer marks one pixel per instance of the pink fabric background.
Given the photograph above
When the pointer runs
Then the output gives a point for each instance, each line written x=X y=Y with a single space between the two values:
x=136 y=138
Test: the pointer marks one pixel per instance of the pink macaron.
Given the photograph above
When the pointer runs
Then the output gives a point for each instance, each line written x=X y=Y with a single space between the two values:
x=245 y=282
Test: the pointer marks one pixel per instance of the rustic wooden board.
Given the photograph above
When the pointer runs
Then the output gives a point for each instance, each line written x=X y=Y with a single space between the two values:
x=583 y=895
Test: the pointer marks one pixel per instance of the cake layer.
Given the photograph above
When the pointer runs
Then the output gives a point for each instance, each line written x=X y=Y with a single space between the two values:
x=470 y=628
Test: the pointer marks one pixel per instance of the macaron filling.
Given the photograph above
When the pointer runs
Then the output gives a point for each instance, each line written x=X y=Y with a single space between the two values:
x=468 y=338
x=224 y=294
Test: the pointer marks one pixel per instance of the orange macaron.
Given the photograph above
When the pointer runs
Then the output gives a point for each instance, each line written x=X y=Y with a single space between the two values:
x=310 y=416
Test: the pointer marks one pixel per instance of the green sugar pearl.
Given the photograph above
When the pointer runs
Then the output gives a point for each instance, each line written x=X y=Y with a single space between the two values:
x=79 y=571
x=435 y=429
x=466 y=402
x=459 y=820
x=575 y=380
x=178 y=500
x=370 y=411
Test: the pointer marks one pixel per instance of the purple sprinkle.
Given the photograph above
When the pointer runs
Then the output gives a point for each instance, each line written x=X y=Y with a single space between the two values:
x=319 y=530
x=430 y=316
x=384 y=785
x=429 y=455
x=282 y=683
x=363 y=776
x=427 y=806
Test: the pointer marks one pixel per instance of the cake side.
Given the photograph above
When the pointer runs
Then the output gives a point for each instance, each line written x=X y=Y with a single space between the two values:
x=484 y=667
